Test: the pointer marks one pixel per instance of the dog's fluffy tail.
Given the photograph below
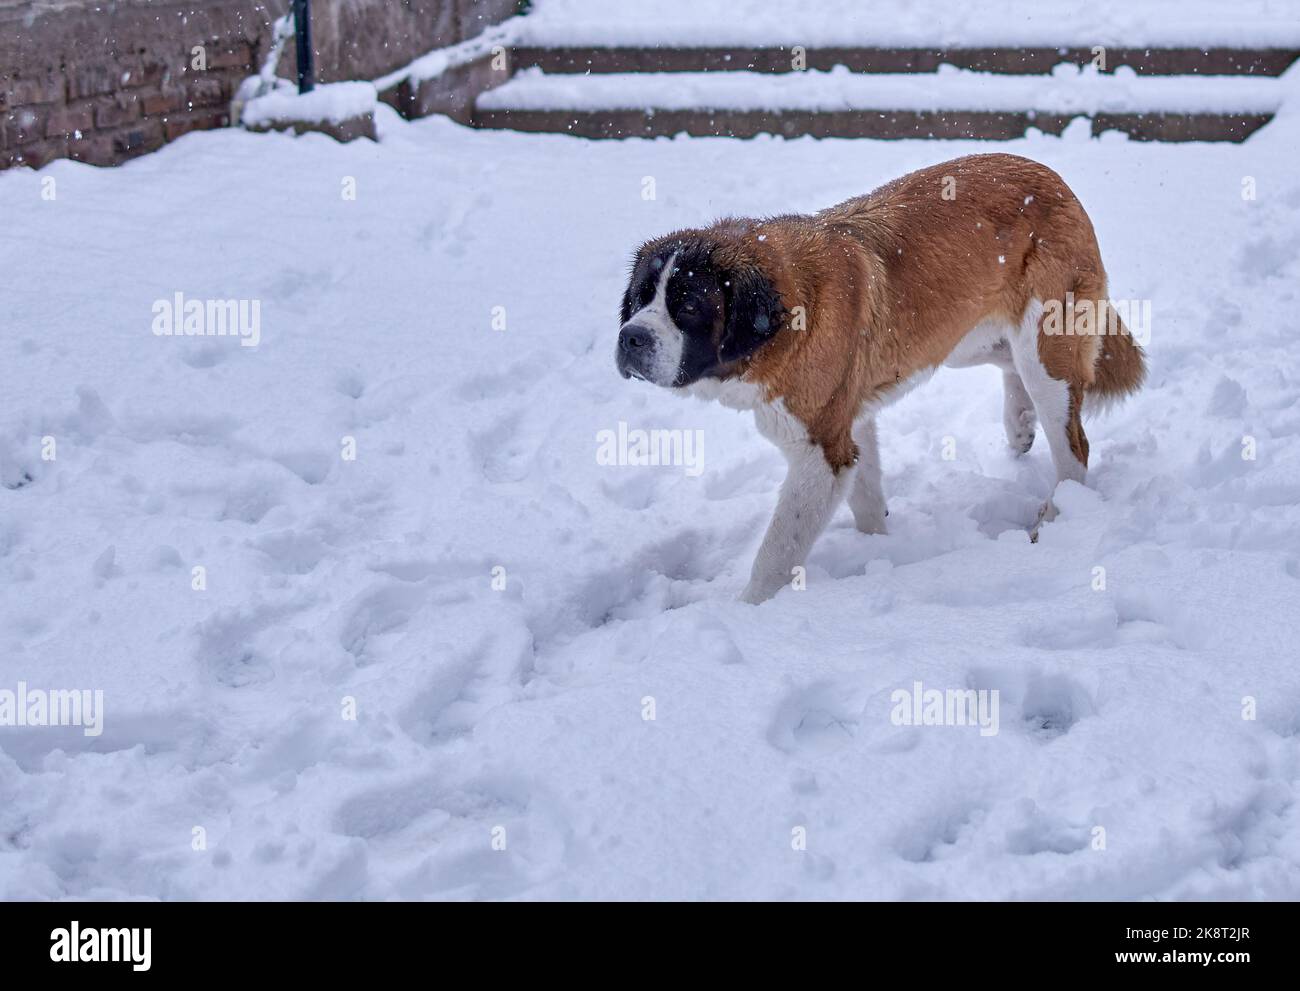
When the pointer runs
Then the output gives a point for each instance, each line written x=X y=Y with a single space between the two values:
x=1121 y=367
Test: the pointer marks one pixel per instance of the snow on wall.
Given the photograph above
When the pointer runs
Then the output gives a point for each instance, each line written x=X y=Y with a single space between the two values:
x=334 y=102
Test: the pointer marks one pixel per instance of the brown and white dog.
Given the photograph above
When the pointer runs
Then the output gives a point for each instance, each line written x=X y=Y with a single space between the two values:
x=816 y=322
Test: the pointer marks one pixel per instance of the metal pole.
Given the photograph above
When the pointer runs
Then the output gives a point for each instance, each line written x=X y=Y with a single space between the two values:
x=306 y=60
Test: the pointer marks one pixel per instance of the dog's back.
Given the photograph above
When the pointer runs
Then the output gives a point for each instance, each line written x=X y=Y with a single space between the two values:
x=976 y=240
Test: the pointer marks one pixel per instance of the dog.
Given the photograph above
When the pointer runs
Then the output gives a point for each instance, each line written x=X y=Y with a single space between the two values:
x=815 y=322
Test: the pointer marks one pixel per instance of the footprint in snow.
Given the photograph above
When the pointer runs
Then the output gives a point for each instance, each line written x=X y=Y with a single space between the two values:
x=817 y=719
x=1046 y=705
x=936 y=835
x=377 y=613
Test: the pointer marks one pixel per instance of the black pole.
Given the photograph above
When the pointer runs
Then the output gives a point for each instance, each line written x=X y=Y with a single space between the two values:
x=302 y=31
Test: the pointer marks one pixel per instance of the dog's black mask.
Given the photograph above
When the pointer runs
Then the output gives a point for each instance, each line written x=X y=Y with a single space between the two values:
x=695 y=320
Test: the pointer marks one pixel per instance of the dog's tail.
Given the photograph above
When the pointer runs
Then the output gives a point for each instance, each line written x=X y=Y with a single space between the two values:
x=1121 y=365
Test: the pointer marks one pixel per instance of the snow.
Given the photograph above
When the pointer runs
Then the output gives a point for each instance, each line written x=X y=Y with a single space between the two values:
x=433 y=64
x=332 y=102
x=912 y=23
x=516 y=715
x=1070 y=89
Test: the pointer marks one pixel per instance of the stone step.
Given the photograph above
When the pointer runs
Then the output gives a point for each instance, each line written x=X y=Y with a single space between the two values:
x=951 y=103
x=882 y=124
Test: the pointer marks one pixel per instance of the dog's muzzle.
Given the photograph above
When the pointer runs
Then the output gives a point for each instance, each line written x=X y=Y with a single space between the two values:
x=636 y=350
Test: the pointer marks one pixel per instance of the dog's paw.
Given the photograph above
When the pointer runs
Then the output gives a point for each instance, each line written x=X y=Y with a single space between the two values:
x=869 y=510
x=757 y=592
x=1045 y=515
x=1020 y=427
x=871 y=523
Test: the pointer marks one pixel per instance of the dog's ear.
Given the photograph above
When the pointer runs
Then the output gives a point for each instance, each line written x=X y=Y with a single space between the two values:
x=625 y=310
x=634 y=269
x=754 y=313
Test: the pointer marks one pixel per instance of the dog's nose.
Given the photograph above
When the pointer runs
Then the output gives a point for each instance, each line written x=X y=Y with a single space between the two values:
x=633 y=338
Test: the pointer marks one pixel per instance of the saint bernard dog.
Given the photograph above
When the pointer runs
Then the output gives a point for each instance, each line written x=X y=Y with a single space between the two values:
x=816 y=322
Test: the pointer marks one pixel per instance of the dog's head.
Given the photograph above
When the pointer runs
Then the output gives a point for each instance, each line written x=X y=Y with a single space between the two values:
x=693 y=311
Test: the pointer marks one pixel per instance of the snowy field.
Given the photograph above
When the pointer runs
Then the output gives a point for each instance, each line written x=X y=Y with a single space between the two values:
x=489 y=717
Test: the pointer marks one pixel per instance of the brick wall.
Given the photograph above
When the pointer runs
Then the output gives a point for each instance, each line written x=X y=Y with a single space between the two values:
x=102 y=81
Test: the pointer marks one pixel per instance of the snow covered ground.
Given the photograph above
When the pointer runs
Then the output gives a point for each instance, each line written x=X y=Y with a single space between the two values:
x=499 y=747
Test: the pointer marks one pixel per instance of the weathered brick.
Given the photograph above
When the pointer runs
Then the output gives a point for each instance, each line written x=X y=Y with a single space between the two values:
x=41 y=153
x=66 y=121
x=136 y=140
x=93 y=79
x=23 y=92
x=116 y=112
x=233 y=56
x=26 y=124
x=143 y=72
x=205 y=92
x=203 y=120
x=160 y=103
x=121 y=109
x=94 y=149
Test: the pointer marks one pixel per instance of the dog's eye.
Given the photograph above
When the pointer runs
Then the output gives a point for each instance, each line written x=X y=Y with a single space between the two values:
x=690 y=308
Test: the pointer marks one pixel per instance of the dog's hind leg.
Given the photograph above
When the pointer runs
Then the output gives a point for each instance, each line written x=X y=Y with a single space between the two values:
x=867 y=494
x=988 y=344
x=1018 y=417
x=1045 y=367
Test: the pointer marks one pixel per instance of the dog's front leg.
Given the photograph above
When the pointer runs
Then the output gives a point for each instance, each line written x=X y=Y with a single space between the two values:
x=809 y=495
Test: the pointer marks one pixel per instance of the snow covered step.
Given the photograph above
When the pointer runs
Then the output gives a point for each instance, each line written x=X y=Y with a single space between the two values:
x=1066 y=90
x=1001 y=58
x=952 y=103
x=345 y=111
x=918 y=24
